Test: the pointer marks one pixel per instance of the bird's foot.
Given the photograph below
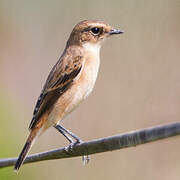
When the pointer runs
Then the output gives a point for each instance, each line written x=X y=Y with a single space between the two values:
x=71 y=146
x=85 y=158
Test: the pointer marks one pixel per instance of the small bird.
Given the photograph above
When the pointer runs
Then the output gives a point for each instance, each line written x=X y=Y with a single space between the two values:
x=70 y=81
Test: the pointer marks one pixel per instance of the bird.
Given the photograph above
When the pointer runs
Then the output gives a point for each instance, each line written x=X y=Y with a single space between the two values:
x=70 y=82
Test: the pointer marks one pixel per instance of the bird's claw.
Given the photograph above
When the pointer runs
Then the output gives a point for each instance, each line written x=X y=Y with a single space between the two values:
x=71 y=146
x=85 y=158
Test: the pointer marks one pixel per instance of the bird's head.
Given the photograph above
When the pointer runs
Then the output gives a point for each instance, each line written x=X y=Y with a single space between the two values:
x=91 y=32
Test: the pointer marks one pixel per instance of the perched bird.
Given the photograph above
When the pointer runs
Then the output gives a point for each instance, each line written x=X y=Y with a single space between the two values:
x=70 y=81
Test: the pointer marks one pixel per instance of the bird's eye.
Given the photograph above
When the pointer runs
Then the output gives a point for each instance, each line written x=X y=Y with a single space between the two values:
x=95 y=30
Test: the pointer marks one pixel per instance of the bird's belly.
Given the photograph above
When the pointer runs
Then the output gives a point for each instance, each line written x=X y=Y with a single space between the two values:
x=80 y=92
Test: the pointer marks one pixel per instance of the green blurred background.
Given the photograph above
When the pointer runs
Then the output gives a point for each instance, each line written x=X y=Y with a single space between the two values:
x=138 y=85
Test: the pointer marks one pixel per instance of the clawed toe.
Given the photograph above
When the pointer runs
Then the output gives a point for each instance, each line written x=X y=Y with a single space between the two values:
x=69 y=149
x=71 y=146
x=85 y=159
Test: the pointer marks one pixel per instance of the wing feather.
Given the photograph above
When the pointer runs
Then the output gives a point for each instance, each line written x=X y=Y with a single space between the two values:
x=59 y=80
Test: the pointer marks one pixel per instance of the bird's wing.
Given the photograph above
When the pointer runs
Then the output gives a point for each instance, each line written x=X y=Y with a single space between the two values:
x=59 y=80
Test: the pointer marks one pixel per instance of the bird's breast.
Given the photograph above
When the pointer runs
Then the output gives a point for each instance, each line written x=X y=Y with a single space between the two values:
x=89 y=76
x=83 y=86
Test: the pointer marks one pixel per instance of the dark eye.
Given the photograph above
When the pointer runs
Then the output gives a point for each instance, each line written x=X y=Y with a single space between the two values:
x=95 y=30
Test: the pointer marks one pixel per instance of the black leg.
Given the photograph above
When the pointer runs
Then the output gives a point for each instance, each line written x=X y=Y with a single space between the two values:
x=64 y=131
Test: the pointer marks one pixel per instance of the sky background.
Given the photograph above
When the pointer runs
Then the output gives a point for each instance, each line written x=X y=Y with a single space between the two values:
x=138 y=85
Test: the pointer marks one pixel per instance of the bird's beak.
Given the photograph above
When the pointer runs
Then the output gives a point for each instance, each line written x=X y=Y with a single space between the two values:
x=116 y=31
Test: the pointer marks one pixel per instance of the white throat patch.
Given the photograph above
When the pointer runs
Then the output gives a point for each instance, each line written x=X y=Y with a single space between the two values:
x=93 y=48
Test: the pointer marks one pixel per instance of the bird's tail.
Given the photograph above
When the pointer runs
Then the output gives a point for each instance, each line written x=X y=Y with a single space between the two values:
x=26 y=149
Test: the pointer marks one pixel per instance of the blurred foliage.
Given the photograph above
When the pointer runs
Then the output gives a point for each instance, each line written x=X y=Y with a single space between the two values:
x=9 y=134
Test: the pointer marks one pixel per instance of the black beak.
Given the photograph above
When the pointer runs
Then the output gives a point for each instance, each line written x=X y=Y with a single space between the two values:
x=116 y=31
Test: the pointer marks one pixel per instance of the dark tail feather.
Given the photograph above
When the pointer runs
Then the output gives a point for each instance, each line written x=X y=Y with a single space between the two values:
x=25 y=150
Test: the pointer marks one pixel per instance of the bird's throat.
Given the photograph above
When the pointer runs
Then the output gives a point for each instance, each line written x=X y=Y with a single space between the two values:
x=92 y=48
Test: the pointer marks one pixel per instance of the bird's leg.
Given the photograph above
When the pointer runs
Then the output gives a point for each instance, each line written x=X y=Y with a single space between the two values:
x=62 y=129
x=65 y=133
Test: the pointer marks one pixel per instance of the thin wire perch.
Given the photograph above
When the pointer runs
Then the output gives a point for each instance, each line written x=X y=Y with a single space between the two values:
x=116 y=142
